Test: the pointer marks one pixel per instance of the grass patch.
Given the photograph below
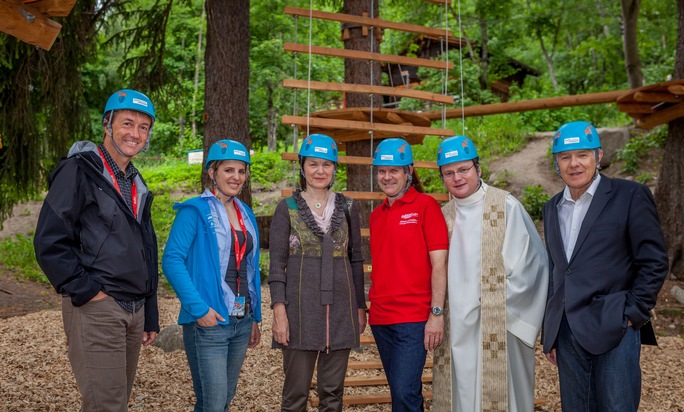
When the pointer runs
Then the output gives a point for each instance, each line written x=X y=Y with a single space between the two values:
x=19 y=257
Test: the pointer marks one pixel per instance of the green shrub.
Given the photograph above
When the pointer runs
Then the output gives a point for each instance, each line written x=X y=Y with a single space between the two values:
x=533 y=199
x=268 y=168
x=18 y=256
x=638 y=146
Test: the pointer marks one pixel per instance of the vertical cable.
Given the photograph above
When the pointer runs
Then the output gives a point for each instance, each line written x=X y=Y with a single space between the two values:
x=460 y=57
x=308 y=81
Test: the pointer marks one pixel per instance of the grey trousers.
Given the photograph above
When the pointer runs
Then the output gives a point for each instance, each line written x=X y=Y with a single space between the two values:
x=104 y=344
x=299 y=367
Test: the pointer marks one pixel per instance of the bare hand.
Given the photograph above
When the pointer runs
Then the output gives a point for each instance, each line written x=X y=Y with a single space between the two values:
x=212 y=318
x=434 y=332
x=100 y=295
x=255 y=338
x=362 y=320
x=148 y=338
x=281 y=326
x=551 y=357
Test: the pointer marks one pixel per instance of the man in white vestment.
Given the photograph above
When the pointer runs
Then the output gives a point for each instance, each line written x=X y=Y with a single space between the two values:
x=497 y=287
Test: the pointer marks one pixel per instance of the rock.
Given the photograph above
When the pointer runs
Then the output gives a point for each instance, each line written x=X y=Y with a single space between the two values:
x=170 y=338
x=612 y=139
x=678 y=293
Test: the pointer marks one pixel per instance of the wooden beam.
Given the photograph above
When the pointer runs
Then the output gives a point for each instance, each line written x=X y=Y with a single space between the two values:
x=366 y=21
x=399 y=130
x=636 y=108
x=379 y=196
x=55 y=8
x=366 y=399
x=368 y=89
x=354 y=365
x=677 y=89
x=27 y=24
x=361 y=55
x=352 y=381
x=528 y=105
x=661 y=116
x=655 y=97
x=361 y=160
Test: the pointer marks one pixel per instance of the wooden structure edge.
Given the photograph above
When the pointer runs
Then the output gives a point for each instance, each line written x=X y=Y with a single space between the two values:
x=366 y=21
x=361 y=55
x=398 y=129
x=368 y=89
x=360 y=160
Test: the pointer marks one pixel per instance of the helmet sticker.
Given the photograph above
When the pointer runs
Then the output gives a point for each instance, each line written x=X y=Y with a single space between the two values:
x=402 y=148
x=571 y=140
x=386 y=157
x=238 y=152
x=451 y=154
x=122 y=96
x=140 y=102
x=320 y=149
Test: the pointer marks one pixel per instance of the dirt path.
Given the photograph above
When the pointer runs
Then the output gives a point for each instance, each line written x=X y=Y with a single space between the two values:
x=529 y=166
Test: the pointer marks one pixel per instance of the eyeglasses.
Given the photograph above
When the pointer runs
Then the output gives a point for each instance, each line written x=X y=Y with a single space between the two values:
x=461 y=172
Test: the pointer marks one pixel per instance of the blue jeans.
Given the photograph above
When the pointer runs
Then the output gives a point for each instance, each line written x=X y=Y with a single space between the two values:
x=215 y=356
x=607 y=382
x=402 y=352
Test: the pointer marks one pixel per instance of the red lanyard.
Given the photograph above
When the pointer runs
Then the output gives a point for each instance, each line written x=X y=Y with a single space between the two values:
x=239 y=251
x=134 y=190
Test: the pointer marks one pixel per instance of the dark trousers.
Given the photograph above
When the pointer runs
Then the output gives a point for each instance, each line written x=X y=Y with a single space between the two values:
x=299 y=367
x=609 y=382
x=104 y=344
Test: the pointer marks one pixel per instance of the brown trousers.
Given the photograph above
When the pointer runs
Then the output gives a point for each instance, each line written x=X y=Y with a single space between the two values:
x=299 y=367
x=104 y=344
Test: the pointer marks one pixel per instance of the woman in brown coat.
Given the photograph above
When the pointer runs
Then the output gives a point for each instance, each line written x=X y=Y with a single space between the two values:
x=316 y=280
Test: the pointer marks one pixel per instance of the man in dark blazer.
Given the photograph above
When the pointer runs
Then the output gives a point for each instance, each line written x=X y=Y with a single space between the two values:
x=608 y=262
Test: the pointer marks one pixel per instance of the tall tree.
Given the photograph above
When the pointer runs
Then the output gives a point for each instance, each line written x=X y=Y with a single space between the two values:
x=630 y=17
x=670 y=191
x=226 y=98
x=361 y=72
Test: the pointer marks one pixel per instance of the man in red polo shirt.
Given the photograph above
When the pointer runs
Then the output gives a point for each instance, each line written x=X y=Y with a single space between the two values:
x=409 y=246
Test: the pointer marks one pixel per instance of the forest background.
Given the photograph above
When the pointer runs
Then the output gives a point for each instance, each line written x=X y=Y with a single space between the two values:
x=172 y=50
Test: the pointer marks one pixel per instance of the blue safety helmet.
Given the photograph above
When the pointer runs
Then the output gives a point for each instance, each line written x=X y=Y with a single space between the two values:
x=227 y=149
x=127 y=99
x=576 y=136
x=319 y=146
x=393 y=152
x=456 y=149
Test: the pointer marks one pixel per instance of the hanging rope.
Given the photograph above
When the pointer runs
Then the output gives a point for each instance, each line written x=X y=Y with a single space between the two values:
x=308 y=81
x=372 y=108
x=460 y=58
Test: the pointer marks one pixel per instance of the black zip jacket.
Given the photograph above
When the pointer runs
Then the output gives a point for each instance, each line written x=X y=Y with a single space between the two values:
x=87 y=239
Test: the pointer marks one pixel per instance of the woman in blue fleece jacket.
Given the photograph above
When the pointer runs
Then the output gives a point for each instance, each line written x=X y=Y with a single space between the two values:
x=211 y=260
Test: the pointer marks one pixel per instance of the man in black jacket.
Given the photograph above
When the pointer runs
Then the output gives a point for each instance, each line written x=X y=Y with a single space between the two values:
x=96 y=244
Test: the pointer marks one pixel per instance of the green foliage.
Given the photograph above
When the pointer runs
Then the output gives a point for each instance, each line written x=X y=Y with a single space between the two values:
x=638 y=146
x=533 y=199
x=170 y=175
x=267 y=169
x=264 y=265
x=19 y=257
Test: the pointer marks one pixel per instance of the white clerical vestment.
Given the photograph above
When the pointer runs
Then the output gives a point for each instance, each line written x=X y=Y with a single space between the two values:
x=526 y=269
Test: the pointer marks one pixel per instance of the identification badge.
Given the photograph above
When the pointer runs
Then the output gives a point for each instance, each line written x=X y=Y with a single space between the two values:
x=238 y=307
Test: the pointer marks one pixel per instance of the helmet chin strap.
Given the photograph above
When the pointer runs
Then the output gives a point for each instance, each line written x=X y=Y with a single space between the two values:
x=229 y=198
x=404 y=190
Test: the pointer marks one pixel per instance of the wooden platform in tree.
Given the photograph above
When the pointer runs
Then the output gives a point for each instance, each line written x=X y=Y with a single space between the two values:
x=367 y=89
x=362 y=55
x=29 y=20
x=366 y=21
x=354 y=124
x=654 y=104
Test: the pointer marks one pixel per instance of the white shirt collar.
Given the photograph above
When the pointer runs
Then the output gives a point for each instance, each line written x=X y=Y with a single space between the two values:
x=591 y=191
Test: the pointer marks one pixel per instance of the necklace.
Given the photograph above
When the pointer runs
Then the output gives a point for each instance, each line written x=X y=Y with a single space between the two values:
x=317 y=204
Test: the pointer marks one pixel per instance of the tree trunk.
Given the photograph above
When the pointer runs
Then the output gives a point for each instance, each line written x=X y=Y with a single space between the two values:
x=670 y=191
x=272 y=123
x=226 y=91
x=630 y=15
x=484 y=55
x=198 y=65
x=359 y=72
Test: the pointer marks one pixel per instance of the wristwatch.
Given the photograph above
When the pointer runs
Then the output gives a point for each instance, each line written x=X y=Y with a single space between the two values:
x=436 y=310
